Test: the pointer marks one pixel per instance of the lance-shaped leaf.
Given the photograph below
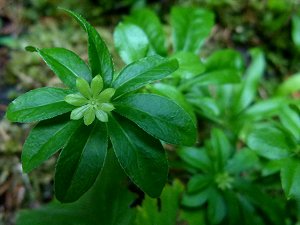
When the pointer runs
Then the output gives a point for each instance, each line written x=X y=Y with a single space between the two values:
x=99 y=57
x=148 y=21
x=190 y=28
x=144 y=71
x=141 y=156
x=290 y=178
x=131 y=42
x=65 y=64
x=39 y=104
x=45 y=139
x=80 y=162
x=158 y=116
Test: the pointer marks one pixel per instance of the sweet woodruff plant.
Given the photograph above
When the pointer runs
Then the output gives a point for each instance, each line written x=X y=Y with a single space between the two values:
x=96 y=106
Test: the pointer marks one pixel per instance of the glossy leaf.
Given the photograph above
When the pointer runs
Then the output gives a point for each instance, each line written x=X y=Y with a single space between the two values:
x=166 y=212
x=143 y=71
x=250 y=84
x=66 y=65
x=290 y=178
x=270 y=142
x=80 y=162
x=199 y=182
x=99 y=57
x=190 y=65
x=196 y=200
x=148 y=21
x=296 y=30
x=190 y=28
x=107 y=201
x=216 y=207
x=158 y=116
x=39 y=104
x=45 y=139
x=195 y=157
x=290 y=120
x=131 y=42
x=141 y=156
x=290 y=85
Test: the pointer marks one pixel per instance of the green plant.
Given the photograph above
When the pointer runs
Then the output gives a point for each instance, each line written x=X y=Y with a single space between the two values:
x=126 y=117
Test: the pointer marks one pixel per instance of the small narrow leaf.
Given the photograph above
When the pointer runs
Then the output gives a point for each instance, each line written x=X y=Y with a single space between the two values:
x=102 y=116
x=76 y=99
x=159 y=116
x=290 y=178
x=96 y=85
x=141 y=156
x=89 y=116
x=45 y=139
x=131 y=42
x=83 y=87
x=39 y=104
x=80 y=162
x=78 y=113
x=106 y=95
x=144 y=71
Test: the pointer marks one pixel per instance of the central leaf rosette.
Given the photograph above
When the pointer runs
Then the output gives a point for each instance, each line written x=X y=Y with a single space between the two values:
x=92 y=100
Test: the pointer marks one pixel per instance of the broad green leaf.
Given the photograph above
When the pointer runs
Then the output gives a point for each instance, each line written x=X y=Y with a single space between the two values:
x=291 y=121
x=66 y=65
x=290 y=178
x=195 y=157
x=190 y=65
x=198 y=182
x=224 y=59
x=250 y=84
x=221 y=146
x=107 y=201
x=80 y=162
x=243 y=160
x=45 y=139
x=196 y=200
x=141 y=156
x=143 y=71
x=296 y=30
x=216 y=207
x=99 y=57
x=131 y=42
x=290 y=85
x=174 y=94
x=148 y=21
x=190 y=28
x=166 y=212
x=270 y=142
x=158 y=116
x=218 y=77
x=39 y=104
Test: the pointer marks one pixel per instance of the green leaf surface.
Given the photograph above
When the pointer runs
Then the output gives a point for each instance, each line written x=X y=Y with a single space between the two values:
x=290 y=85
x=243 y=160
x=296 y=30
x=197 y=199
x=190 y=28
x=66 y=65
x=166 y=212
x=290 y=120
x=290 y=178
x=174 y=94
x=190 y=65
x=45 y=139
x=198 y=182
x=158 y=116
x=216 y=208
x=131 y=42
x=195 y=157
x=141 y=156
x=107 y=201
x=99 y=57
x=143 y=71
x=80 y=162
x=39 y=104
x=270 y=142
x=250 y=84
x=148 y=21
